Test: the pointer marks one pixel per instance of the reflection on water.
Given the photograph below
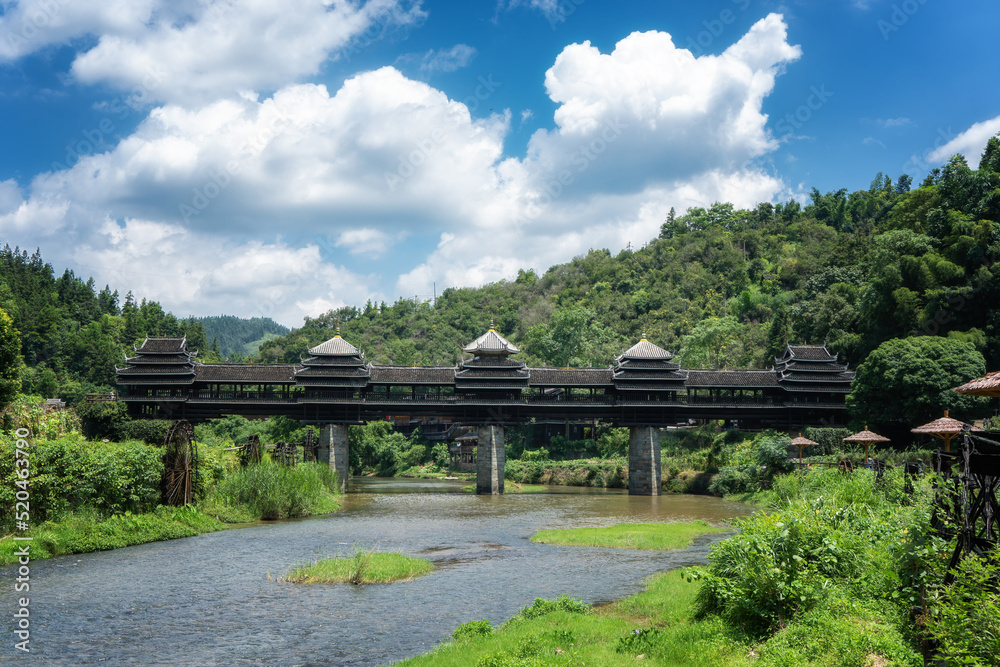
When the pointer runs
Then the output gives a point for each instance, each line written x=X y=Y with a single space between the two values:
x=207 y=600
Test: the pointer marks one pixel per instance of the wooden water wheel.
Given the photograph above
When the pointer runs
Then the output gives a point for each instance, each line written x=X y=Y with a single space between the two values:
x=251 y=452
x=180 y=460
x=284 y=453
x=309 y=447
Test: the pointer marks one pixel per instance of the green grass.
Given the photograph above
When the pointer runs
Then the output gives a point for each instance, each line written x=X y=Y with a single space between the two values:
x=272 y=491
x=514 y=487
x=83 y=533
x=364 y=567
x=647 y=536
x=563 y=634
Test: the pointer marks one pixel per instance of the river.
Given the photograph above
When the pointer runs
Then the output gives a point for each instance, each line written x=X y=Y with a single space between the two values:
x=207 y=600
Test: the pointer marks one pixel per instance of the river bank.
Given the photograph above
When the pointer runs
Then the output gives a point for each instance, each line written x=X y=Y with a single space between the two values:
x=827 y=577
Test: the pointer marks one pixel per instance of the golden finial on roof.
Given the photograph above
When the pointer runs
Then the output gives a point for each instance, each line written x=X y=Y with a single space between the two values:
x=338 y=333
x=642 y=337
x=493 y=326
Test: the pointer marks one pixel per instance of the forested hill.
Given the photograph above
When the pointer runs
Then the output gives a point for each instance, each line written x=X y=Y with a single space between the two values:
x=73 y=335
x=236 y=338
x=726 y=288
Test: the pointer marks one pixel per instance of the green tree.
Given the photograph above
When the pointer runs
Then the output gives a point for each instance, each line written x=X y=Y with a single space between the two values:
x=11 y=363
x=911 y=380
x=713 y=343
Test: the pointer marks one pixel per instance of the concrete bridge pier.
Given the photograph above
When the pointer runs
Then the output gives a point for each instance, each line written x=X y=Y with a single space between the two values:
x=644 y=476
x=490 y=460
x=333 y=449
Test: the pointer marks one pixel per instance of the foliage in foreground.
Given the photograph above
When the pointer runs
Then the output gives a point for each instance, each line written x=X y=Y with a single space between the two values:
x=70 y=474
x=364 y=567
x=272 y=491
x=844 y=539
x=651 y=536
x=965 y=618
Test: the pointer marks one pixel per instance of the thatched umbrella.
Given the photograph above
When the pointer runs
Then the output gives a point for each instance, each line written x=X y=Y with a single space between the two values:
x=802 y=443
x=984 y=386
x=944 y=428
x=867 y=437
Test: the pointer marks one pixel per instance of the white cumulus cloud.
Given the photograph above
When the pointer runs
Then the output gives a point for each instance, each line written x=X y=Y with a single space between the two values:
x=193 y=52
x=970 y=143
x=348 y=174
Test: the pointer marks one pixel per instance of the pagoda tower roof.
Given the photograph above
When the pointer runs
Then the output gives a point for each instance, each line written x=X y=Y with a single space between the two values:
x=491 y=344
x=644 y=351
x=335 y=347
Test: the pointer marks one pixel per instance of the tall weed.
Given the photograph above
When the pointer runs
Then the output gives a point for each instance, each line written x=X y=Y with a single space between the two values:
x=274 y=491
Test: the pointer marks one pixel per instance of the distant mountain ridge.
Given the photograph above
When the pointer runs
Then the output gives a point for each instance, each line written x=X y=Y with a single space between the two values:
x=238 y=337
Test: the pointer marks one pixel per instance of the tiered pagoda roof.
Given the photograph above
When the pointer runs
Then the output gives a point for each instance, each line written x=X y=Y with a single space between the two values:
x=159 y=361
x=334 y=363
x=647 y=367
x=812 y=368
x=491 y=367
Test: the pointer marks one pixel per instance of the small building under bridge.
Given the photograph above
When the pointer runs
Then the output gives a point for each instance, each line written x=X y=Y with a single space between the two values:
x=643 y=389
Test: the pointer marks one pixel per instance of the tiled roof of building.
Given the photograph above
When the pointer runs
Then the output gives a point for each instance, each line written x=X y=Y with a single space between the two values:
x=413 y=375
x=732 y=379
x=512 y=373
x=644 y=350
x=186 y=369
x=570 y=377
x=159 y=359
x=333 y=361
x=334 y=372
x=811 y=367
x=491 y=343
x=163 y=346
x=252 y=373
x=627 y=374
x=817 y=377
x=331 y=381
x=492 y=362
x=335 y=347
x=633 y=364
x=159 y=380
x=807 y=353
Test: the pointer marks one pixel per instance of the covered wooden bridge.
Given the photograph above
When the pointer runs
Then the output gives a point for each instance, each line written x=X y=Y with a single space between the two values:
x=642 y=389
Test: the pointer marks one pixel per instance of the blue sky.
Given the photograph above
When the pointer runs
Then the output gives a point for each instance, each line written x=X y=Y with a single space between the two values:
x=260 y=158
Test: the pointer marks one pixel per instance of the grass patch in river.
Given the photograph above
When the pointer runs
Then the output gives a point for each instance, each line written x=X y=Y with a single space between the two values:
x=364 y=567
x=647 y=536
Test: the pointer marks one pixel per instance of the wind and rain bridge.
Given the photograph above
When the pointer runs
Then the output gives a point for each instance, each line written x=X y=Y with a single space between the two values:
x=643 y=389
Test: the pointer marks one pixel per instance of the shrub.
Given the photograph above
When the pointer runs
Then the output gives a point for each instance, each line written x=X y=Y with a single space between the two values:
x=613 y=442
x=771 y=452
x=413 y=456
x=479 y=628
x=540 y=454
x=71 y=473
x=274 y=491
x=830 y=440
x=102 y=420
x=732 y=480
x=829 y=531
x=150 y=431
x=542 y=606
x=440 y=455
x=966 y=618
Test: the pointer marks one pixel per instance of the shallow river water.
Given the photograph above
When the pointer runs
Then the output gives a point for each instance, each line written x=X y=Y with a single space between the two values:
x=207 y=600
